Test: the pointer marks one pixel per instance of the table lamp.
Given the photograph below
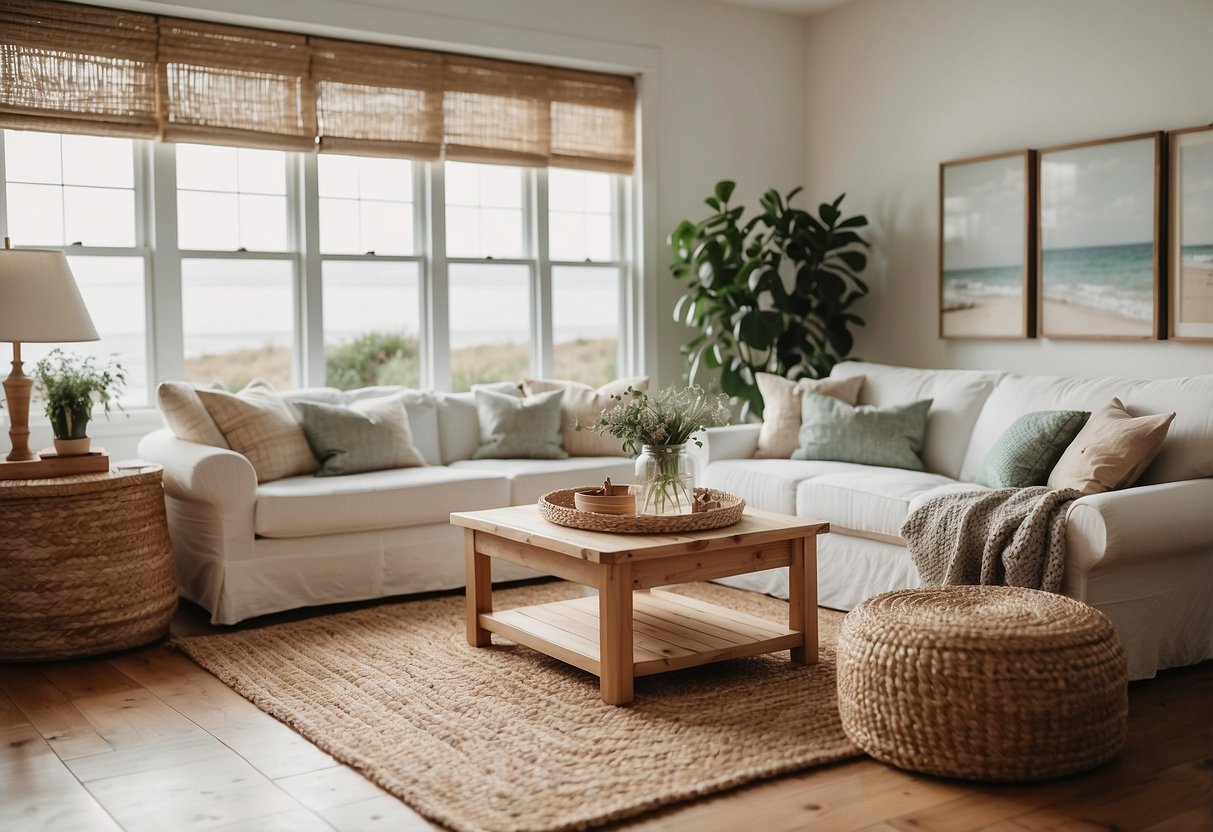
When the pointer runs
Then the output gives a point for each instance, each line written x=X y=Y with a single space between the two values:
x=39 y=303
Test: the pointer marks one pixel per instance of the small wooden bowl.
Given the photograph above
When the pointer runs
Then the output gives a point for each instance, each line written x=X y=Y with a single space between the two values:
x=619 y=501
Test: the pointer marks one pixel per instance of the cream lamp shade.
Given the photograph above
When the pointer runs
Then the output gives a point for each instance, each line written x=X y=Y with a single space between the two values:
x=39 y=302
x=39 y=299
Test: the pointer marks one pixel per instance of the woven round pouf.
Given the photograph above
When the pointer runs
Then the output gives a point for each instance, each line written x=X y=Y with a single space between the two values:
x=982 y=682
x=86 y=565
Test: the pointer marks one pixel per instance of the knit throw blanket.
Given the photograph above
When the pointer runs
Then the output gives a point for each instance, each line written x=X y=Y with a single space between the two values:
x=1008 y=536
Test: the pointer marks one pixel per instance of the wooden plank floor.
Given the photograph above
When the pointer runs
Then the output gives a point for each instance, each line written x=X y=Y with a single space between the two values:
x=147 y=740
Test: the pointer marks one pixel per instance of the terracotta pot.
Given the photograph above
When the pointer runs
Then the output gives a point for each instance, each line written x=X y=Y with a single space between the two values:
x=72 y=447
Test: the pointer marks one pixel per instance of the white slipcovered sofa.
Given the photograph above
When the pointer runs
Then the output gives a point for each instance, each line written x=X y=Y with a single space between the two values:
x=1143 y=555
x=244 y=549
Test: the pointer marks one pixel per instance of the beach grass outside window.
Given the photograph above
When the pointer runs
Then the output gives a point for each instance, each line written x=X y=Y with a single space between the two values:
x=79 y=194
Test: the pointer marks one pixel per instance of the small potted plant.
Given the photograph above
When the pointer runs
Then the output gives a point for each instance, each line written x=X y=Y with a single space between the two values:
x=71 y=385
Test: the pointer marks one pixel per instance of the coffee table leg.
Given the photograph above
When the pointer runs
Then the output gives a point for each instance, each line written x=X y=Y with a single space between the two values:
x=479 y=577
x=615 y=634
x=802 y=598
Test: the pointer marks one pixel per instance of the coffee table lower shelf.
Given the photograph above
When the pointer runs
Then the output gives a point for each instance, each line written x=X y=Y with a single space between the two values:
x=670 y=632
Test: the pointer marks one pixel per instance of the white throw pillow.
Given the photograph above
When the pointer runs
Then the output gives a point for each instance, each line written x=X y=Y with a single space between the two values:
x=781 y=408
x=186 y=416
x=259 y=425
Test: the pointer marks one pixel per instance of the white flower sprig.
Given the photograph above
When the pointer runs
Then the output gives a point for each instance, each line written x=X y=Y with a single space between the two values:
x=668 y=418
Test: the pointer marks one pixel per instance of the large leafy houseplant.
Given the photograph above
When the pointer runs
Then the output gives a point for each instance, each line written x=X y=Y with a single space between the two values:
x=71 y=385
x=771 y=293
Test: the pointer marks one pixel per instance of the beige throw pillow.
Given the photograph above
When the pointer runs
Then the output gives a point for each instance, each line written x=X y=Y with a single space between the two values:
x=1111 y=451
x=258 y=424
x=582 y=404
x=185 y=416
x=781 y=407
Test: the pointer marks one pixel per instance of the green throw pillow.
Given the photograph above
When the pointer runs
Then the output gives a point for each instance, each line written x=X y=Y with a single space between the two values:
x=371 y=435
x=889 y=436
x=1030 y=448
x=517 y=428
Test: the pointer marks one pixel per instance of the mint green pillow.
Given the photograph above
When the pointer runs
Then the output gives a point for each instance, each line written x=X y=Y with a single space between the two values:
x=889 y=436
x=512 y=427
x=372 y=435
x=1027 y=452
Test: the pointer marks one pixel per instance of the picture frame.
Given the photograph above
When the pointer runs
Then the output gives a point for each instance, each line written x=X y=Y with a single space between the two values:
x=1190 y=234
x=987 y=243
x=1099 y=239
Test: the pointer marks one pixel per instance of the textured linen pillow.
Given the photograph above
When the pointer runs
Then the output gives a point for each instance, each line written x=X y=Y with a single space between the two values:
x=781 y=406
x=581 y=403
x=517 y=428
x=1030 y=447
x=369 y=435
x=1111 y=451
x=889 y=436
x=185 y=415
x=258 y=424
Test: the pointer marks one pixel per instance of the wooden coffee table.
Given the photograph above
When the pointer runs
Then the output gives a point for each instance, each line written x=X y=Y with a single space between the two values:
x=628 y=630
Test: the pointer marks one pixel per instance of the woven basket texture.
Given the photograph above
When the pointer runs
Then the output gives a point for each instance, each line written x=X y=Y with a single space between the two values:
x=86 y=565
x=982 y=683
x=557 y=507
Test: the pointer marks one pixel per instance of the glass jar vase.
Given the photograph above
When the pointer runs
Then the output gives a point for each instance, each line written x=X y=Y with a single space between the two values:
x=666 y=476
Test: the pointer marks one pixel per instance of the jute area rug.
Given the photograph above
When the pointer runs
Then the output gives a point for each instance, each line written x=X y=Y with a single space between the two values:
x=505 y=739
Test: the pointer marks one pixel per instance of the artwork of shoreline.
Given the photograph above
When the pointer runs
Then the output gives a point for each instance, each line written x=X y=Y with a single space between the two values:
x=1098 y=291
x=1196 y=285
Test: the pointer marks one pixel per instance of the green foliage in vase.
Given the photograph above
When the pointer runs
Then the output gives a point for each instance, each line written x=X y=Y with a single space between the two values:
x=373 y=359
x=668 y=418
x=771 y=293
x=70 y=385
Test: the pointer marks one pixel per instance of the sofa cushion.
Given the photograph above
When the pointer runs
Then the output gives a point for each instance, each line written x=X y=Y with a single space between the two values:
x=530 y=479
x=307 y=506
x=956 y=397
x=519 y=428
x=892 y=435
x=1187 y=453
x=581 y=405
x=368 y=435
x=422 y=408
x=1111 y=451
x=458 y=425
x=781 y=405
x=186 y=416
x=1030 y=448
x=768 y=484
x=256 y=423
x=872 y=501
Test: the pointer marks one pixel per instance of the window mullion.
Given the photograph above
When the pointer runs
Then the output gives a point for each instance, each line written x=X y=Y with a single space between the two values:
x=543 y=352
x=168 y=338
x=307 y=207
x=437 y=315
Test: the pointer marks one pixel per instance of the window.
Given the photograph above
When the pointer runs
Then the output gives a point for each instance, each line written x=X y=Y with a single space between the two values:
x=231 y=199
x=78 y=193
x=305 y=269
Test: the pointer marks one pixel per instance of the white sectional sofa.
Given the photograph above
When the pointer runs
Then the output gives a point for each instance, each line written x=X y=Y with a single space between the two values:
x=1143 y=556
x=244 y=549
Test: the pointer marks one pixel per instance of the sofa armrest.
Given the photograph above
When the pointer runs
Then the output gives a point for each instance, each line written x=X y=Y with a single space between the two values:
x=727 y=442
x=218 y=485
x=1139 y=524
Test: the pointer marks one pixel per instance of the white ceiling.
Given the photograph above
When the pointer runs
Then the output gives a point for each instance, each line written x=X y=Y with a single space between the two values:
x=800 y=8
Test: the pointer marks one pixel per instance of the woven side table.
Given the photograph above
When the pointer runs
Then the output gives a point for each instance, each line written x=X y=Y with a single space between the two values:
x=86 y=565
x=982 y=683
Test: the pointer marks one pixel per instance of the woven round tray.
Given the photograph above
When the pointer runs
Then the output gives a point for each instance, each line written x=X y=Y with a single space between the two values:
x=557 y=507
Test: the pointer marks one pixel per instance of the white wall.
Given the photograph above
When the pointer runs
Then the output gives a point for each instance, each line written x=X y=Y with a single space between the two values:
x=897 y=86
x=722 y=90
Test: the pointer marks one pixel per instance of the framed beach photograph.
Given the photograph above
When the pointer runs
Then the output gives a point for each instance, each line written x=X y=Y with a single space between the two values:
x=1099 y=221
x=1190 y=222
x=986 y=246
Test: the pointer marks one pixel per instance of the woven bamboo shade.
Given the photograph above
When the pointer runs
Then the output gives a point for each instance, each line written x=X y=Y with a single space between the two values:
x=593 y=121
x=496 y=111
x=377 y=100
x=77 y=69
x=231 y=85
